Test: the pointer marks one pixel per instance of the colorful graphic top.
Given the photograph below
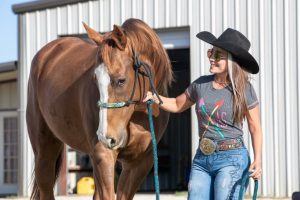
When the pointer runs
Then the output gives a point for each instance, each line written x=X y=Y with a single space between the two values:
x=214 y=108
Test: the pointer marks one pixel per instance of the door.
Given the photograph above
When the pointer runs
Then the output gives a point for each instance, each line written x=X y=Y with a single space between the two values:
x=8 y=152
x=174 y=149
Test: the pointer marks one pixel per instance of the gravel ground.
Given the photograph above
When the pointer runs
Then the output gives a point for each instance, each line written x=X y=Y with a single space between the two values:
x=137 y=197
x=180 y=196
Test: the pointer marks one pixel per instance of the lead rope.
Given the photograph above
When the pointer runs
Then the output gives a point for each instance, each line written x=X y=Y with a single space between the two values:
x=244 y=180
x=156 y=180
x=147 y=69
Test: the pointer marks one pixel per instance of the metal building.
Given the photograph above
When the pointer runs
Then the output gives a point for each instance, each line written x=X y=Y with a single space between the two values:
x=273 y=27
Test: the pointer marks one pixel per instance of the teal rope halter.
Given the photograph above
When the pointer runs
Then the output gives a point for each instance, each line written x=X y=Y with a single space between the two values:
x=137 y=65
x=111 y=105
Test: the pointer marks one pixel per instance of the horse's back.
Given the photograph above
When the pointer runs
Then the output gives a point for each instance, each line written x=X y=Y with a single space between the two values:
x=62 y=54
x=61 y=63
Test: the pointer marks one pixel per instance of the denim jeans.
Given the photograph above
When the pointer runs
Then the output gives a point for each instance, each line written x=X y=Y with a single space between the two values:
x=219 y=175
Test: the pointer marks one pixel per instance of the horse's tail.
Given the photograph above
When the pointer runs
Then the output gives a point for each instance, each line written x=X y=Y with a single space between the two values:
x=35 y=194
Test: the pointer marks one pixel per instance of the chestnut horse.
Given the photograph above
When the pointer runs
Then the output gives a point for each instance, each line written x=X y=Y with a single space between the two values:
x=68 y=76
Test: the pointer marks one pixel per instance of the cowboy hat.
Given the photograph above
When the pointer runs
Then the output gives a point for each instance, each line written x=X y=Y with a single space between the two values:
x=237 y=44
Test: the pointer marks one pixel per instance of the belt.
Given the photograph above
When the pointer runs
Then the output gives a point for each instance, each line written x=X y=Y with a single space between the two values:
x=208 y=146
x=229 y=144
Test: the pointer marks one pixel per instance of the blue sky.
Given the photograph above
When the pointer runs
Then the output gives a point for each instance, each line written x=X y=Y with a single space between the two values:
x=8 y=31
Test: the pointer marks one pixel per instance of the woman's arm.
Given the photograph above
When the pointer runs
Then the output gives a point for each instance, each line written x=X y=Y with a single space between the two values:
x=253 y=119
x=175 y=105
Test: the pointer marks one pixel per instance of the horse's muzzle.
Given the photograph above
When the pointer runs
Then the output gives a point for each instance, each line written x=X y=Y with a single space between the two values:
x=111 y=142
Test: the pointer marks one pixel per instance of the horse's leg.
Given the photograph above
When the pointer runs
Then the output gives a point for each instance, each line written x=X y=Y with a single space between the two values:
x=132 y=176
x=96 y=194
x=104 y=171
x=47 y=154
x=47 y=164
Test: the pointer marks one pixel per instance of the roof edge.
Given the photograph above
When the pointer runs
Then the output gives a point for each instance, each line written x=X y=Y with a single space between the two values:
x=8 y=66
x=41 y=4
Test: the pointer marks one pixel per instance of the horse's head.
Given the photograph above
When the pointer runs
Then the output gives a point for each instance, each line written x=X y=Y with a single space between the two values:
x=115 y=75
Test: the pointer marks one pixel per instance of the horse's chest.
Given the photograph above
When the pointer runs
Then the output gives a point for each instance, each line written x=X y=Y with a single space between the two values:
x=136 y=147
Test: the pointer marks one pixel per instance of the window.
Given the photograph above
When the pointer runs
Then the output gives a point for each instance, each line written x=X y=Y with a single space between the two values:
x=10 y=169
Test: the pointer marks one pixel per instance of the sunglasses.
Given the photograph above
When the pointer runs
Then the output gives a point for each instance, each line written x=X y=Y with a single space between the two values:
x=216 y=55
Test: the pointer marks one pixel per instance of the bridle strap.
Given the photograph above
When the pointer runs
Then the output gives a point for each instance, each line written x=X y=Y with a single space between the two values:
x=137 y=65
x=148 y=73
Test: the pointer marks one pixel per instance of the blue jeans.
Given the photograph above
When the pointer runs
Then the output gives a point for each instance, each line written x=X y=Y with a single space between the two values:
x=219 y=175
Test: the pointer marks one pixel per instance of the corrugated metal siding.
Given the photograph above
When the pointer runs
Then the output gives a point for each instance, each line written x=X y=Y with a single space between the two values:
x=101 y=15
x=25 y=150
x=272 y=27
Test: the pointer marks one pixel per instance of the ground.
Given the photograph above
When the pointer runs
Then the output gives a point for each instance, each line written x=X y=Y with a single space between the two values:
x=177 y=196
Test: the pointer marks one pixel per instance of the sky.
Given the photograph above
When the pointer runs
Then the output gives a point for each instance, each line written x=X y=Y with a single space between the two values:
x=8 y=31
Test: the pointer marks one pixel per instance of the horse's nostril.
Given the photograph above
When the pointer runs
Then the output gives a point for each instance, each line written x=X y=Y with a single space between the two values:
x=111 y=141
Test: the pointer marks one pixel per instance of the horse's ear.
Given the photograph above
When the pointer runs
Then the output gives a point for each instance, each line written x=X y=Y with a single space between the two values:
x=119 y=37
x=97 y=37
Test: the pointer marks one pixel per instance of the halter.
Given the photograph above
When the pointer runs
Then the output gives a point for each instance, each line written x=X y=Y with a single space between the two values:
x=137 y=65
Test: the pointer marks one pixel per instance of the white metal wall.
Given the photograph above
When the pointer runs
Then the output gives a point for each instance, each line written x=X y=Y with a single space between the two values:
x=272 y=27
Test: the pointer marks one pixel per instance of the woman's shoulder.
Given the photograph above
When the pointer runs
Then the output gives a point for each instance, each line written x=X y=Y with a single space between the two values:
x=204 y=79
x=249 y=90
x=249 y=86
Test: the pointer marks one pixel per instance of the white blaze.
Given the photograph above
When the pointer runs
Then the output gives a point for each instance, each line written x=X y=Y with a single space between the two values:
x=103 y=80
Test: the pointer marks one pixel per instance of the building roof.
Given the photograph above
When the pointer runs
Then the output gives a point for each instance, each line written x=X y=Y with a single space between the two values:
x=8 y=66
x=40 y=5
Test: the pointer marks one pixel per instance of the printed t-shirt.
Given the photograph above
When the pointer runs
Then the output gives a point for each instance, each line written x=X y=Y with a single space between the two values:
x=214 y=108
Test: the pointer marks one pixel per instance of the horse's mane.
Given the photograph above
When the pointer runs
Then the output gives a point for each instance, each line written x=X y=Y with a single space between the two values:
x=144 y=41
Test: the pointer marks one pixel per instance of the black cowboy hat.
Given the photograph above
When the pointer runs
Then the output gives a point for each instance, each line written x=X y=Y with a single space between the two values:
x=237 y=44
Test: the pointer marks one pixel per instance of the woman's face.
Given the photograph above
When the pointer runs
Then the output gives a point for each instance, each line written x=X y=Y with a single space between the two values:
x=218 y=60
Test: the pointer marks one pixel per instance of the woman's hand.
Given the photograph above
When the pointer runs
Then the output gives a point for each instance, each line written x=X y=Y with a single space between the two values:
x=150 y=96
x=174 y=105
x=256 y=170
x=253 y=118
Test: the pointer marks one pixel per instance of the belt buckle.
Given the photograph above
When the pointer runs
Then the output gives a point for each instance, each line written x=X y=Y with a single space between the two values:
x=207 y=146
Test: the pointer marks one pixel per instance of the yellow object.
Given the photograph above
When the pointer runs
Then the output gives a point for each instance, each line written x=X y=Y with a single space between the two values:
x=86 y=185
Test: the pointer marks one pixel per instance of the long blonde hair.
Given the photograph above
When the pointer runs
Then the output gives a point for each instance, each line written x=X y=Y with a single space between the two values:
x=239 y=79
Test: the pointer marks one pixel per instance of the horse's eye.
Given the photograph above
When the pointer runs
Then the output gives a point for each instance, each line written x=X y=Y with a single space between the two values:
x=121 y=82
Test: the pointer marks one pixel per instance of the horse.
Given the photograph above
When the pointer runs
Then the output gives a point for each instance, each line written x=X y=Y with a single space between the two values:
x=67 y=78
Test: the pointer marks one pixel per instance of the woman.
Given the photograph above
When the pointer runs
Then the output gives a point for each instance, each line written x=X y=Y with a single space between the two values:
x=223 y=100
